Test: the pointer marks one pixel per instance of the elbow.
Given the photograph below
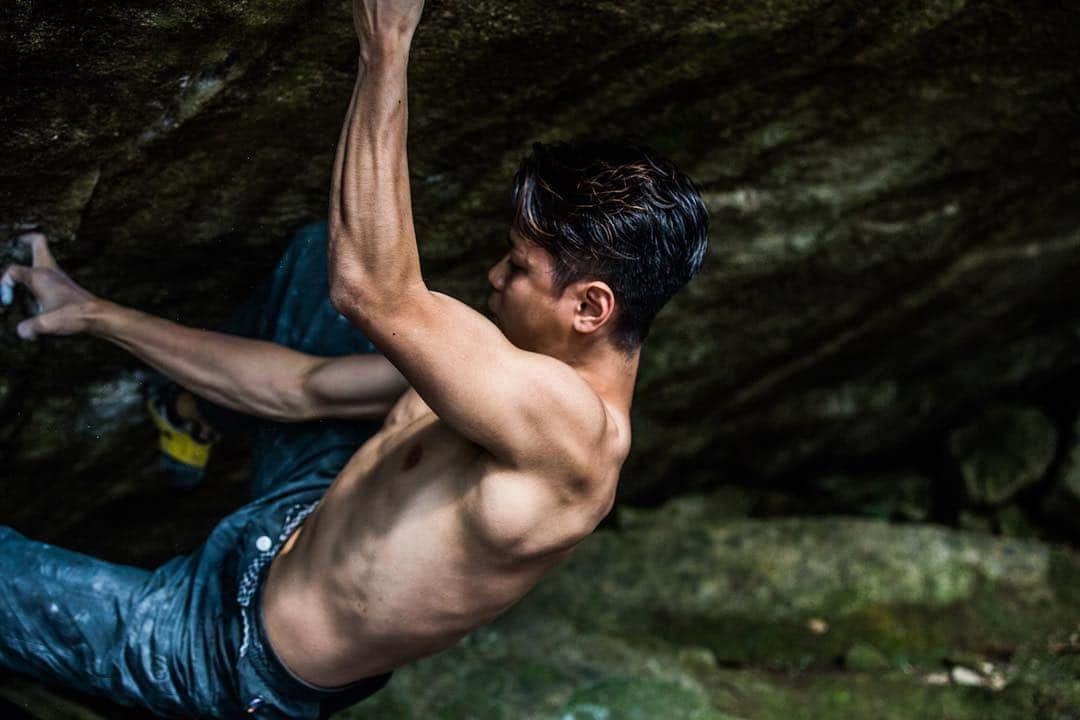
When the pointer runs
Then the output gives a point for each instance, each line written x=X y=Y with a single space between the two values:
x=345 y=297
x=356 y=299
x=346 y=278
x=364 y=300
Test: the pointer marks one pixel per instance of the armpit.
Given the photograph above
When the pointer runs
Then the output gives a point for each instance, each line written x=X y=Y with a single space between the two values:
x=408 y=407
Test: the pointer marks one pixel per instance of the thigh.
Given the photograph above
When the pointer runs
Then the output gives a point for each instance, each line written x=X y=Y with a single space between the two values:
x=297 y=313
x=292 y=307
x=286 y=454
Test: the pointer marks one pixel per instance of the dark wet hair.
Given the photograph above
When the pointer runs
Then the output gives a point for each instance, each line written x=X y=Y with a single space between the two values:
x=616 y=212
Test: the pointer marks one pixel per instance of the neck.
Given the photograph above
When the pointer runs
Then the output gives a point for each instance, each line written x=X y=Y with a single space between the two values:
x=610 y=372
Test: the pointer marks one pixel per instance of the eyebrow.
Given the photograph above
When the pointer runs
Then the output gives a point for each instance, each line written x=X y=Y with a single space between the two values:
x=520 y=258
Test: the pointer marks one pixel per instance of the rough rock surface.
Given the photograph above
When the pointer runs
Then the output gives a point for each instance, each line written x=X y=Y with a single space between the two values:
x=1004 y=452
x=718 y=618
x=1070 y=479
x=893 y=189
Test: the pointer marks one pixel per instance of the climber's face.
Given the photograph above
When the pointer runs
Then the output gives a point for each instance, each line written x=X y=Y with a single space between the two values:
x=525 y=304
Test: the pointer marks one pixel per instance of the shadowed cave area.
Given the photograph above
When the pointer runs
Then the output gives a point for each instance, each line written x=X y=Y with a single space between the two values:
x=855 y=477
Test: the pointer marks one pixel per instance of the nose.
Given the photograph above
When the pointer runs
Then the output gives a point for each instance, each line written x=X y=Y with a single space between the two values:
x=497 y=273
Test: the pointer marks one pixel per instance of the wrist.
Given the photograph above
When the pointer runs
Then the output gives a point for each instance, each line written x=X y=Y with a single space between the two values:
x=99 y=315
x=390 y=54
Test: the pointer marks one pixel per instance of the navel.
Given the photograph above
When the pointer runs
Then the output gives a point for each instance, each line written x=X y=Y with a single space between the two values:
x=415 y=453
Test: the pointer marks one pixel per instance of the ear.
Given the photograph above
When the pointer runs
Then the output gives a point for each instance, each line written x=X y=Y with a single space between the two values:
x=594 y=306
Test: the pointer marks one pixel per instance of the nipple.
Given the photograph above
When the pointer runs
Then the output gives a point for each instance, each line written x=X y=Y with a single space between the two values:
x=415 y=453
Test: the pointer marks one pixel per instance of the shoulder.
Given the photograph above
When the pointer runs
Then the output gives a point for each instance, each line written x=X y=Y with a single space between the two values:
x=579 y=435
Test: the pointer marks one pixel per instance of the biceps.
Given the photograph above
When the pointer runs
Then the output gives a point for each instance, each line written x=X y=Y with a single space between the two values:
x=355 y=386
x=518 y=405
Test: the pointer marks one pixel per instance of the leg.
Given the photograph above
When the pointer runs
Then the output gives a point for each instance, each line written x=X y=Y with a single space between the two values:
x=296 y=309
x=62 y=613
x=185 y=640
x=296 y=312
x=292 y=308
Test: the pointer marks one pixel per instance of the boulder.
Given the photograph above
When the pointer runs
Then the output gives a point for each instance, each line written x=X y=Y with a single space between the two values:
x=739 y=618
x=1004 y=451
x=891 y=190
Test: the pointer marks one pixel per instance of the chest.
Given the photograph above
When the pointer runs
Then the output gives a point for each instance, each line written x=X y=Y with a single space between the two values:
x=425 y=447
x=417 y=458
x=427 y=466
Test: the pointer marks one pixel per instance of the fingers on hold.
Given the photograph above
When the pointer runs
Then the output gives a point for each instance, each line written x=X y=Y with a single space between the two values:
x=39 y=246
x=7 y=285
x=13 y=274
x=16 y=273
x=27 y=329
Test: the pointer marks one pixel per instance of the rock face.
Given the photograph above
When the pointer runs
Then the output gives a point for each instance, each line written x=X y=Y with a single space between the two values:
x=892 y=189
x=1004 y=452
x=680 y=615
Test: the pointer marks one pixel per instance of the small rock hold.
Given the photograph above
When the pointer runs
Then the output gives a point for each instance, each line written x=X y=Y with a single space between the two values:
x=937 y=679
x=964 y=676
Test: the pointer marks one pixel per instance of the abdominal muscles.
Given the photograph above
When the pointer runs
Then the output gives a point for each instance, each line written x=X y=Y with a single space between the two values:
x=420 y=539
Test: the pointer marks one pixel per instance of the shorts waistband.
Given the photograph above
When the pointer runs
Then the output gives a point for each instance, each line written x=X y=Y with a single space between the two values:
x=258 y=646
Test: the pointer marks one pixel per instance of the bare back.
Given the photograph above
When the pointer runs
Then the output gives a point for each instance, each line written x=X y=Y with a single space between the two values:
x=422 y=537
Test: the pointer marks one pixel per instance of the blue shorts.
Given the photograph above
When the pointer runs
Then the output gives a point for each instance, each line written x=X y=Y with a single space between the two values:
x=187 y=639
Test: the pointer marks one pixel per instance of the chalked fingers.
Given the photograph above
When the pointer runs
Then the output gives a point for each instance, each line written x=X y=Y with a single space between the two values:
x=52 y=289
x=39 y=245
x=65 y=321
x=12 y=275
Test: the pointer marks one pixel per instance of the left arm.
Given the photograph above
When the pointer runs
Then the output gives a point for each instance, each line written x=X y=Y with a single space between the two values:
x=529 y=410
x=246 y=374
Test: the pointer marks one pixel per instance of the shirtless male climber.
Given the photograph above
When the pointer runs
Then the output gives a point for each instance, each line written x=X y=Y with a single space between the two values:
x=503 y=455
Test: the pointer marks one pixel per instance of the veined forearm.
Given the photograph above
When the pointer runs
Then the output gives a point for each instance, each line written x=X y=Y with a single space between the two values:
x=372 y=244
x=253 y=376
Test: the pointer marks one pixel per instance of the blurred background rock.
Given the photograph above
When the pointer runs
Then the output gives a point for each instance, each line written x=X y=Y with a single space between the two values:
x=855 y=482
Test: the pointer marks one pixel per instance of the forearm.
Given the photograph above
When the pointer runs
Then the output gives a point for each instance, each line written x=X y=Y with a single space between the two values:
x=372 y=242
x=253 y=376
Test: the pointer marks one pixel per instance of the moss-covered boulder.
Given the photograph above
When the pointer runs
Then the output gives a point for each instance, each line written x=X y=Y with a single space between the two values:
x=680 y=618
x=1007 y=450
x=688 y=614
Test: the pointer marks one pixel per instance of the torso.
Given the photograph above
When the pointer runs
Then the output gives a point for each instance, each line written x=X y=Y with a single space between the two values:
x=422 y=537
